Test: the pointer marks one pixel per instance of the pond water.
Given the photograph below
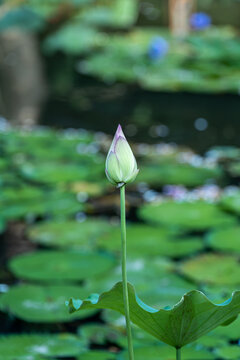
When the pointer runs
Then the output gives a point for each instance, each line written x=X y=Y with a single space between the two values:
x=196 y=120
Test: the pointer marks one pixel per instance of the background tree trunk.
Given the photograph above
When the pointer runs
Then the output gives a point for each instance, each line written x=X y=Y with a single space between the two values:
x=22 y=80
x=179 y=15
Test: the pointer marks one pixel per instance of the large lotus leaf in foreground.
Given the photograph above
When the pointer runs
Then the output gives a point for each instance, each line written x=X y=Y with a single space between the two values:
x=188 y=320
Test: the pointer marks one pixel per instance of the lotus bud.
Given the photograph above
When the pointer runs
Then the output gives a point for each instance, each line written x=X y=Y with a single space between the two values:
x=121 y=166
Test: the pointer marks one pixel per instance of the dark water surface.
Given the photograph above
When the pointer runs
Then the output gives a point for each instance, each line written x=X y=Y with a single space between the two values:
x=196 y=120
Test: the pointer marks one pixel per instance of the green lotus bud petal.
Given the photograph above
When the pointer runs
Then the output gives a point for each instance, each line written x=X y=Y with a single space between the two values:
x=121 y=165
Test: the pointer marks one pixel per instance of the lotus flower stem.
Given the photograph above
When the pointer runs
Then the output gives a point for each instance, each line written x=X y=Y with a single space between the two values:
x=178 y=354
x=124 y=272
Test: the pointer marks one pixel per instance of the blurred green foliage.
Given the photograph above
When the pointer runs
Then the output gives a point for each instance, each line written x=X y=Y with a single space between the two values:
x=183 y=235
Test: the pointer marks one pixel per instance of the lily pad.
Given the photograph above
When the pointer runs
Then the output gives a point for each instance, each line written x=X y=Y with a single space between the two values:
x=69 y=233
x=60 y=266
x=151 y=241
x=163 y=290
x=213 y=269
x=232 y=332
x=229 y=352
x=99 y=334
x=167 y=353
x=226 y=240
x=176 y=174
x=98 y=355
x=196 y=215
x=231 y=202
x=14 y=346
x=41 y=304
x=55 y=173
x=55 y=203
x=191 y=318
x=212 y=340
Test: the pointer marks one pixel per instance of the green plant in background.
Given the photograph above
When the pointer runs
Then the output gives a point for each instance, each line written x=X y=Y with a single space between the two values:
x=191 y=318
x=70 y=223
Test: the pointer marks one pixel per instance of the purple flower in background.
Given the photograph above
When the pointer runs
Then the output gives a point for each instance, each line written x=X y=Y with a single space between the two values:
x=158 y=48
x=200 y=21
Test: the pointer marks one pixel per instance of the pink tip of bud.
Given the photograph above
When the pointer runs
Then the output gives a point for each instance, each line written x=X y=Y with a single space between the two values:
x=119 y=132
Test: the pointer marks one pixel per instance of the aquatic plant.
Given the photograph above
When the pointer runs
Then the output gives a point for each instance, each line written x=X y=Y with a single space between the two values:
x=194 y=315
x=121 y=169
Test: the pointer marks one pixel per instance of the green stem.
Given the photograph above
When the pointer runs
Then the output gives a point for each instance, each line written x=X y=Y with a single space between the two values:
x=178 y=354
x=124 y=272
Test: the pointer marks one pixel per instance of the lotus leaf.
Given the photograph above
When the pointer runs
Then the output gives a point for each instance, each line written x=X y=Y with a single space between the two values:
x=151 y=241
x=196 y=215
x=69 y=233
x=24 y=193
x=41 y=304
x=66 y=39
x=213 y=269
x=99 y=333
x=227 y=240
x=14 y=346
x=212 y=340
x=231 y=202
x=98 y=355
x=54 y=173
x=125 y=58
x=162 y=290
x=232 y=332
x=191 y=318
x=60 y=266
x=167 y=353
x=54 y=203
x=229 y=352
x=176 y=174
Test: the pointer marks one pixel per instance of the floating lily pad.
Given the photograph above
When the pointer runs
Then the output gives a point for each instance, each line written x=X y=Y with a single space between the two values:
x=54 y=173
x=24 y=193
x=231 y=202
x=232 y=332
x=99 y=334
x=191 y=318
x=31 y=345
x=212 y=340
x=151 y=241
x=45 y=304
x=226 y=240
x=89 y=188
x=60 y=266
x=196 y=215
x=69 y=233
x=54 y=203
x=167 y=353
x=98 y=355
x=229 y=352
x=165 y=289
x=176 y=174
x=213 y=269
x=218 y=292
x=67 y=39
